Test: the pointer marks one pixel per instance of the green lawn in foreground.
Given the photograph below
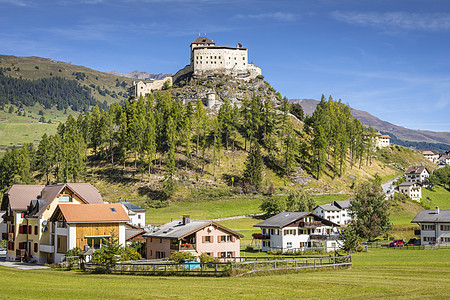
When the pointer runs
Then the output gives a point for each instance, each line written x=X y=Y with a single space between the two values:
x=439 y=197
x=380 y=273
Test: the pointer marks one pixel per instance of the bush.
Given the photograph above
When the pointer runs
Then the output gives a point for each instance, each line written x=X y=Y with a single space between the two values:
x=129 y=253
x=205 y=258
x=179 y=256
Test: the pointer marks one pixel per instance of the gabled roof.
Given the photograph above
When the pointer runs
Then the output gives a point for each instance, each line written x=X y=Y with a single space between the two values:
x=407 y=183
x=283 y=219
x=177 y=230
x=92 y=213
x=328 y=207
x=416 y=170
x=427 y=215
x=20 y=196
x=203 y=40
x=131 y=233
x=343 y=204
x=132 y=207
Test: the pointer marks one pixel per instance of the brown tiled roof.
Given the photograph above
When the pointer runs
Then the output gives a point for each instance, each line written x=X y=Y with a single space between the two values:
x=20 y=196
x=203 y=40
x=86 y=192
x=385 y=136
x=415 y=170
x=92 y=213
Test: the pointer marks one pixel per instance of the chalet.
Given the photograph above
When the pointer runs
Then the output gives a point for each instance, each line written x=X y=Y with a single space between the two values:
x=297 y=231
x=410 y=189
x=135 y=212
x=28 y=209
x=194 y=236
x=85 y=226
x=337 y=212
x=417 y=174
x=434 y=226
x=431 y=155
x=135 y=234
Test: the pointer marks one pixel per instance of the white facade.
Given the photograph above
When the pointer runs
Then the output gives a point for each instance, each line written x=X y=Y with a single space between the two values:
x=383 y=141
x=417 y=175
x=435 y=233
x=135 y=213
x=144 y=89
x=334 y=212
x=412 y=190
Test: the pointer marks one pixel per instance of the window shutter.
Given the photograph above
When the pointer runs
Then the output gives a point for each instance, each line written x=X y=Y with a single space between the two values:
x=35 y=247
x=211 y=239
x=233 y=254
x=203 y=239
x=35 y=229
x=30 y=229
x=285 y=232
x=233 y=239
x=219 y=237
x=20 y=229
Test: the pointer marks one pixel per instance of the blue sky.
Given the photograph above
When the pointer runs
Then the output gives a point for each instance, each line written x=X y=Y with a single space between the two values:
x=390 y=58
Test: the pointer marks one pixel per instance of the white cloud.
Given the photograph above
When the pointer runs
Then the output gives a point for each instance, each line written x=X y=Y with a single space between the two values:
x=396 y=20
x=280 y=16
x=14 y=2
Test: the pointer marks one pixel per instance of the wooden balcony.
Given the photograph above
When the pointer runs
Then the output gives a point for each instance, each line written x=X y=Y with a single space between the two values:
x=324 y=237
x=182 y=247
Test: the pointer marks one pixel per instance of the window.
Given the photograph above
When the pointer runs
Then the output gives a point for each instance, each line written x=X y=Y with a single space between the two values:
x=207 y=239
x=35 y=247
x=226 y=238
x=160 y=240
x=35 y=229
x=30 y=229
x=266 y=243
x=429 y=239
x=65 y=198
x=139 y=216
x=427 y=227
x=445 y=227
x=289 y=232
x=289 y=245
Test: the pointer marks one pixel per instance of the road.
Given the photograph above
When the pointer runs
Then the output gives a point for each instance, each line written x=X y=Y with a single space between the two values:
x=388 y=187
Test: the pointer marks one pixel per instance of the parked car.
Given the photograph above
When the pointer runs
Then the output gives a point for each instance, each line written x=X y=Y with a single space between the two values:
x=413 y=242
x=397 y=243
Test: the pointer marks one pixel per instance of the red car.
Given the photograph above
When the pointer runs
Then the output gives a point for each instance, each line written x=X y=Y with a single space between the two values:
x=397 y=243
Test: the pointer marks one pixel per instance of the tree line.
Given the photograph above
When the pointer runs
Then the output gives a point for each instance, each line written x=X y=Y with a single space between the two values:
x=157 y=132
x=49 y=92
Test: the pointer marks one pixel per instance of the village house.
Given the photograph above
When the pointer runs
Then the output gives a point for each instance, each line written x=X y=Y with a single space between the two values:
x=28 y=209
x=444 y=159
x=417 y=174
x=431 y=155
x=411 y=189
x=135 y=212
x=382 y=140
x=298 y=231
x=434 y=226
x=193 y=236
x=85 y=226
x=337 y=212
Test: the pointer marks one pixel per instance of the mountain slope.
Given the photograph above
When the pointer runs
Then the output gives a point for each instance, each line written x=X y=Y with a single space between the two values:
x=401 y=133
x=140 y=75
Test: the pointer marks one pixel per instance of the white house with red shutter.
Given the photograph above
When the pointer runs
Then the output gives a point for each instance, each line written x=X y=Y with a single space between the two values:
x=434 y=226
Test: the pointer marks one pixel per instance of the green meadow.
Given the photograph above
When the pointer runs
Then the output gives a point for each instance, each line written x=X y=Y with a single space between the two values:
x=379 y=273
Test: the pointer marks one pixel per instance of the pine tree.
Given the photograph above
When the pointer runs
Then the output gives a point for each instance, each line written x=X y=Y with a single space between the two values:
x=254 y=166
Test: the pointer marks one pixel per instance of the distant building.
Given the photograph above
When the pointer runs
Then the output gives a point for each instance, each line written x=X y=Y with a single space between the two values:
x=141 y=88
x=417 y=174
x=383 y=140
x=135 y=212
x=410 y=189
x=337 y=212
x=434 y=226
x=444 y=159
x=431 y=155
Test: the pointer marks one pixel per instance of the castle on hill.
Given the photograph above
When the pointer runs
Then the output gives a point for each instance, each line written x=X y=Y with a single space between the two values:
x=206 y=59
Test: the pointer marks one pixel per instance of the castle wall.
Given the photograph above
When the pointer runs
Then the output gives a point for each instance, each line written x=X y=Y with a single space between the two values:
x=219 y=59
x=145 y=88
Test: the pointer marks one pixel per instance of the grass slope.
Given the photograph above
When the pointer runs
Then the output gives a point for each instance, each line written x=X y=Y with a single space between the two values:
x=380 y=273
x=439 y=196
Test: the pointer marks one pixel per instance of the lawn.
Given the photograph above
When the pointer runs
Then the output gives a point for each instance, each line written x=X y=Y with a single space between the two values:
x=380 y=273
x=439 y=197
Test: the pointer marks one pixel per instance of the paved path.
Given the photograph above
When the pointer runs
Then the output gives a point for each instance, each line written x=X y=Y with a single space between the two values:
x=387 y=186
x=20 y=265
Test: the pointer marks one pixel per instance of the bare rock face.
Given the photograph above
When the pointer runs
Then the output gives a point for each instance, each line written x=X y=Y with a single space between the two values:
x=193 y=87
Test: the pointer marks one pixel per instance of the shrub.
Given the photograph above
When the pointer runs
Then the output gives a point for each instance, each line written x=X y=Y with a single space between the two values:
x=179 y=256
x=205 y=258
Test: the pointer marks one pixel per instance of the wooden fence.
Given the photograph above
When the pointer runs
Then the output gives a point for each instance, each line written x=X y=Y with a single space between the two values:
x=234 y=266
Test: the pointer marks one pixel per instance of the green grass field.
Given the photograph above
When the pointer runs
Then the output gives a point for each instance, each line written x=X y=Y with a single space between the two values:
x=438 y=197
x=380 y=273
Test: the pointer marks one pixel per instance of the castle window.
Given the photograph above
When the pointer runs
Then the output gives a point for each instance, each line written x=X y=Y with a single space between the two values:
x=215 y=57
x=243 y=58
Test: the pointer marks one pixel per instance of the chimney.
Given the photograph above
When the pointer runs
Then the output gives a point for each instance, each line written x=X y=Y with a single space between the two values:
x=437 y=210
x=186 y=219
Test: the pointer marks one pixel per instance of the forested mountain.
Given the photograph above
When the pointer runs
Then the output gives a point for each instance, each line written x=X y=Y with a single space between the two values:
x=48 y=92
x=417 y=139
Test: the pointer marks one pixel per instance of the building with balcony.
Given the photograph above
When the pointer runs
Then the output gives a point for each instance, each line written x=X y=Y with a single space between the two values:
x=194 y=236
x=28 y=210
x=298 y=231
x=410 y=189
x=85 y=226
x=434 y=226
x=417 y=174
